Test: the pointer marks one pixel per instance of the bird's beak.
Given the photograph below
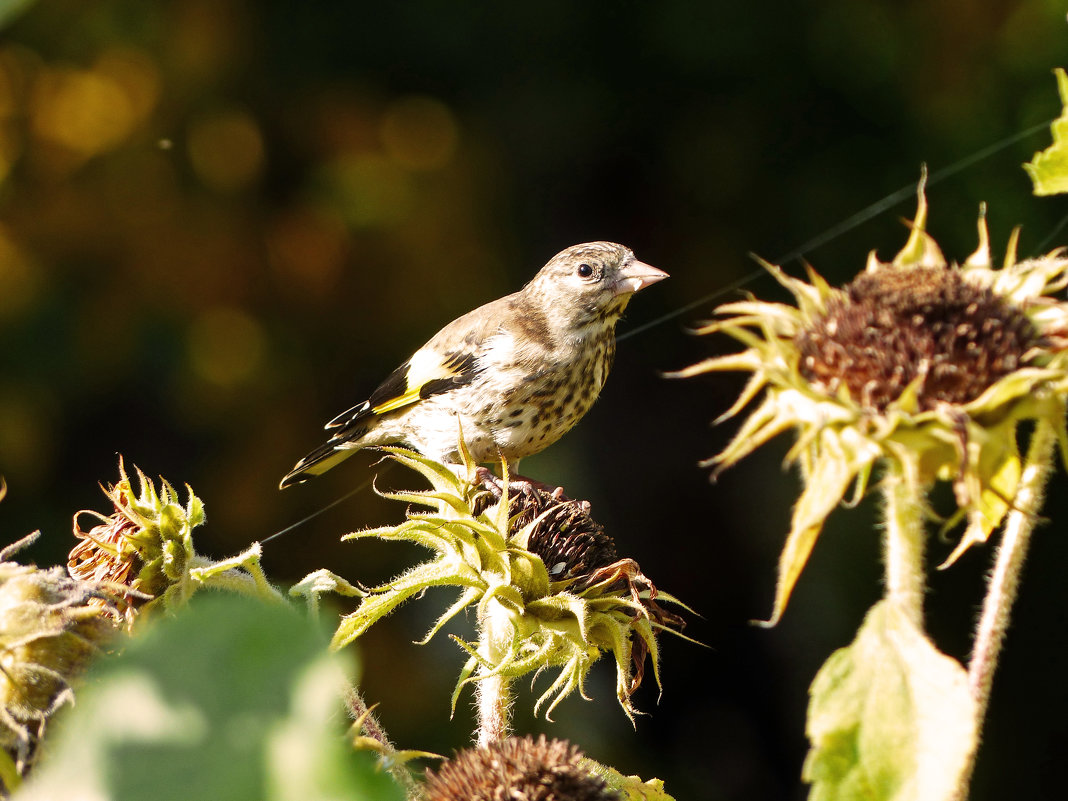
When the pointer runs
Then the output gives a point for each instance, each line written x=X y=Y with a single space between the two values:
x=638 y=275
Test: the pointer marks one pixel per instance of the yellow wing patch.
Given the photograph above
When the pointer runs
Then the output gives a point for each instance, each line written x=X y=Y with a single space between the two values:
x=423 y=367
x=411 y=396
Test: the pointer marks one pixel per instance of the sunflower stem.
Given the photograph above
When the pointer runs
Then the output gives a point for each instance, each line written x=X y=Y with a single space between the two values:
x=494 y=702
x=904 y=541
x=370 y=727
x=1004 y=580
x=494 y=691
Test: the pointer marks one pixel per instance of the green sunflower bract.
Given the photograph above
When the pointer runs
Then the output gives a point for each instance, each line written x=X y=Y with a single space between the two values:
x=528 y=617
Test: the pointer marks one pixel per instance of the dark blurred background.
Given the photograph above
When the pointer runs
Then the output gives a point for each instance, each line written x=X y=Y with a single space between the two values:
x=223 y=222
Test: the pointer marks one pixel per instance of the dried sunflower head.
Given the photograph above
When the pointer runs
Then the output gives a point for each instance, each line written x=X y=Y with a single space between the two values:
x=146 y=543
x=146 y=546
x=542 y=576
x=923 y=367
x=50 y=628
x=517 y=769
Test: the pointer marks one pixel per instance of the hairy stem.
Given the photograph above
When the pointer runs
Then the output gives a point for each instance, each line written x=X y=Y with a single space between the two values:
x=370 y=727
x=1004 y=580
x=903 y=540
x=494 y=692
x=494 y=709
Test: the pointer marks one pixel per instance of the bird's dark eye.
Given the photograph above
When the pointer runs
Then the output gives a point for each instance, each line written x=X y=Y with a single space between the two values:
x=584 y=270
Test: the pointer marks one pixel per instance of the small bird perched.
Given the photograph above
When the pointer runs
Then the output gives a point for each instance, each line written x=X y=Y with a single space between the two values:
x=516 y=374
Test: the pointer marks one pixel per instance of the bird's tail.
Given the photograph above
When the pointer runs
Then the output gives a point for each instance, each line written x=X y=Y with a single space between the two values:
x=317 y=462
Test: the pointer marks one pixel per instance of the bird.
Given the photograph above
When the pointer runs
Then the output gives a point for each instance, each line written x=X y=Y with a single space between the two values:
x=513 y=375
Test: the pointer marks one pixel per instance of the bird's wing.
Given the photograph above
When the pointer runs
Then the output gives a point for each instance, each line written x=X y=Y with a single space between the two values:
x=449 y=360
x=425 y=374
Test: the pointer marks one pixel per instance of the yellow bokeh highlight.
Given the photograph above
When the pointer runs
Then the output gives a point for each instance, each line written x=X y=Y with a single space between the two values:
x=226 y=149
x=80 y=110
x=19 y=280
x=135 y=73
x=226 y=346
x=89 y=111
x=419 y=133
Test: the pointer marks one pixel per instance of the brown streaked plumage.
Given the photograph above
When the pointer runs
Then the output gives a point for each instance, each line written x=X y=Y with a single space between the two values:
x=517 y=373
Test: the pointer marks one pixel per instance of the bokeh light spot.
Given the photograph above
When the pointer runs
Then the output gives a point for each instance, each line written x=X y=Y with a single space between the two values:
x=226 y=346
x=88 y=111
x=19 y=281
x=226 y=149
x=10 y=147
x=419 y=133
x=135 y=72
x=307 y=248
x=9 y=101
x=80 y=110
x=19 y=66
x=369 y=190
x=25 y=434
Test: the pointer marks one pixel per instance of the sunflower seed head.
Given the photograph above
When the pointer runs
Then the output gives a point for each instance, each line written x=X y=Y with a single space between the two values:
x=898 y=325
x=568 y=540
x=517 y=769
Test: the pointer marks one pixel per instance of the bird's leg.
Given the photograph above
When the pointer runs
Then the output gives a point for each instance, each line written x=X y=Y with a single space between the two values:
x=517 y=483
x=484 y=477
x=489 y=481
x=532 y=489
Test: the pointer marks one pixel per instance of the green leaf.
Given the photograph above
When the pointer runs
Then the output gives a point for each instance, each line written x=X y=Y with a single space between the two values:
x=1049 y=168
x=890 y=717
x=630 y=788
x=229 y=698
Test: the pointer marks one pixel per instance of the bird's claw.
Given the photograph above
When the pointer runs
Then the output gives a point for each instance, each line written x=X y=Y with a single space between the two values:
x=485 y=477
x=525 y=486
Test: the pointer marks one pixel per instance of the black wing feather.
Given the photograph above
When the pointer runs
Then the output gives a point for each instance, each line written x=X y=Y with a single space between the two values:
x=462 y=363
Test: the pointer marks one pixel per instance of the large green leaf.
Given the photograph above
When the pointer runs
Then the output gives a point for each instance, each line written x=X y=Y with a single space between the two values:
x=1049 y=168
x=230 y=699
x=890 y=717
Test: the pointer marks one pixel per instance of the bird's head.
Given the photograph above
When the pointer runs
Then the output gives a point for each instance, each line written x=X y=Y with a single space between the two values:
x=591 y=283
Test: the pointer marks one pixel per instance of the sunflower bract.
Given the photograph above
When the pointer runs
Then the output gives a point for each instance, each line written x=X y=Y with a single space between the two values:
x=541 y=576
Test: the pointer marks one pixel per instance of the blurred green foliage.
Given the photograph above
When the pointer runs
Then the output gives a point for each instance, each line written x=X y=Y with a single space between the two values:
x=222 y=222
x=1049 y=167
x=161 y=719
